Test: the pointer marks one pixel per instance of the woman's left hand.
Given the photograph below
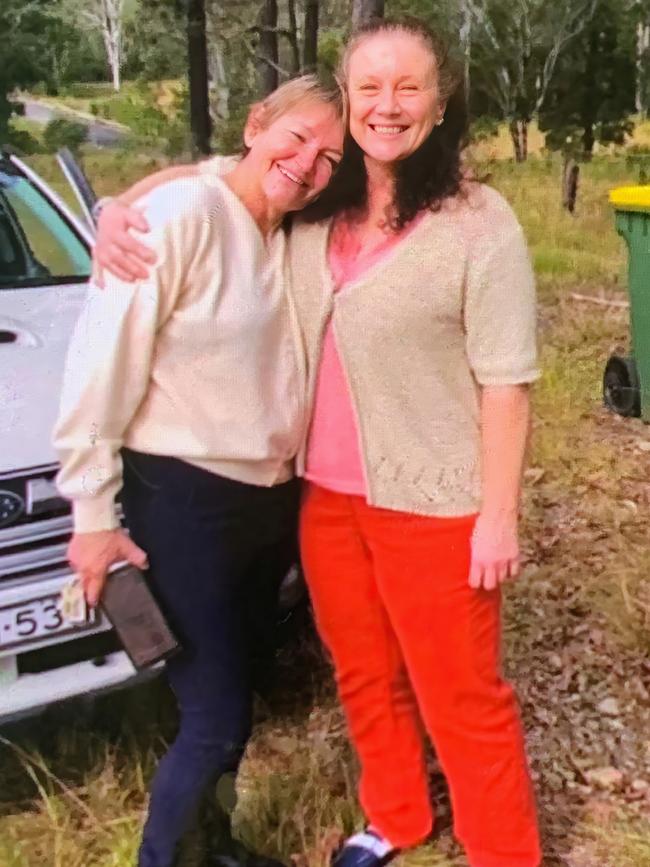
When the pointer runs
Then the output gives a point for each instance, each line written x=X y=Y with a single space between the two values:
x=495 y=552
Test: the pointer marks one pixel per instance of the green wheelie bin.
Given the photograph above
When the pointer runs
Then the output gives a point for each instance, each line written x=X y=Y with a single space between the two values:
x=626 y=383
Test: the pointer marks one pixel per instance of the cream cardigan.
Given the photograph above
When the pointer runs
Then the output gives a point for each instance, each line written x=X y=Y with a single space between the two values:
x=450 y=309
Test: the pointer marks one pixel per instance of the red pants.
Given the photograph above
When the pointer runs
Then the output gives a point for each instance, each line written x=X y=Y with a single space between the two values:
x=412 y=641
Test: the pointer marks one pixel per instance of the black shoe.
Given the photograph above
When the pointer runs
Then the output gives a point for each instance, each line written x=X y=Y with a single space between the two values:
x=366 y=849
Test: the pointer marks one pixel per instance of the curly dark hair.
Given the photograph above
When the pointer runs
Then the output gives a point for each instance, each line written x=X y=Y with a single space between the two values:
x=427 y=177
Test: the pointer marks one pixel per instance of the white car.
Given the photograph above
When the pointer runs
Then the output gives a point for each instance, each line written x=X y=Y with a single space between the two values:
x=44 y=268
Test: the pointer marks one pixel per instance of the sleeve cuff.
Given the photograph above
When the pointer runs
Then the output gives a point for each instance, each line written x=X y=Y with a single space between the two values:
x=522 y=378
x=92 y=516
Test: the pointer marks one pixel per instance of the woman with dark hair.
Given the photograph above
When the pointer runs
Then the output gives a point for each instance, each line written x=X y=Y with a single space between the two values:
x=425 y=332
x=415 y=295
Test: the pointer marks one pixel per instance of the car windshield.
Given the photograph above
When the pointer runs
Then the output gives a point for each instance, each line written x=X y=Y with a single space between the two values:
x=38 y=246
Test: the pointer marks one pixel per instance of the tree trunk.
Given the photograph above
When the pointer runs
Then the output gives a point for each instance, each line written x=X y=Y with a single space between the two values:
x=197 y=47
x=588 y=105
x=293 y=37
x=115 y=71
x=310 y=46
x=588 y=141
x=364 y=10
x=570 y=175
x=642 y=46
x=519 y=135
x=110 y=13
x=267 y=49
x=218 y=86
x=466 y=40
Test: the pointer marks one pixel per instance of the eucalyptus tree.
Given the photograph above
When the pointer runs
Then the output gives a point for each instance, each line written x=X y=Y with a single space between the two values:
x=515 y=53
x=105 y=18
x=592 y=96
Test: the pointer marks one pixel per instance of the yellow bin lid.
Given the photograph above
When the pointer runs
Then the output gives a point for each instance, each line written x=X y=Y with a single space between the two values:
x=631 y=198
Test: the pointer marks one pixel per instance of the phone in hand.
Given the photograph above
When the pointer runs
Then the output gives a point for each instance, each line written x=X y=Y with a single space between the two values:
x=136 y=616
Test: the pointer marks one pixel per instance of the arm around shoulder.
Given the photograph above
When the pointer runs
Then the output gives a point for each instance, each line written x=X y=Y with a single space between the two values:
x=117 y=251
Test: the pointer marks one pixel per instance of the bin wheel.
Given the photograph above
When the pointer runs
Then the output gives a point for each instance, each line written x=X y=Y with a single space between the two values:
x=621 y=391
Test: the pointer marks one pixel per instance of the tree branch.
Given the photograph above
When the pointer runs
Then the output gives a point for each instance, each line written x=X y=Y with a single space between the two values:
x=255 y=56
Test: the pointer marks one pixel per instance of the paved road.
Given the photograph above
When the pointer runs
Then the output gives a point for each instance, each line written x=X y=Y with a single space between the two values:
x=99 y=133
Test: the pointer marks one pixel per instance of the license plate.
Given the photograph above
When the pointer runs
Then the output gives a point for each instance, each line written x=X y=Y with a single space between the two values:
x=37 y=620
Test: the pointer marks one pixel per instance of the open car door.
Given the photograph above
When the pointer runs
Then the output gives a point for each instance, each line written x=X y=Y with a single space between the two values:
x=80 y=184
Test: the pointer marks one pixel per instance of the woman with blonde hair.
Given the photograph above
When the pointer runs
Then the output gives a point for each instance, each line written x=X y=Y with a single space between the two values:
x=186 y=391
x=415 y=296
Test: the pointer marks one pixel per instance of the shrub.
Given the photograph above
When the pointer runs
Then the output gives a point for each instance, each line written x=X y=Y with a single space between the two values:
x=147 y=122
x=23 y=142
x=484 y=128
x=637 y=158
x=228 y=133
x=64 y=133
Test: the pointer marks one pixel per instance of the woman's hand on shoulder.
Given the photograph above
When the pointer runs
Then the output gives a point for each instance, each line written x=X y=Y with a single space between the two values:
x=116 y=250
x=495 y=552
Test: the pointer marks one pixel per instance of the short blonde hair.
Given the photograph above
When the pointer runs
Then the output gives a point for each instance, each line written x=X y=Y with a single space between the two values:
x=295 y=92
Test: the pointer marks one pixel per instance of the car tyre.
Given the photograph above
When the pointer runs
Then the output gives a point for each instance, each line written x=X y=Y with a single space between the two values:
x=621 y=391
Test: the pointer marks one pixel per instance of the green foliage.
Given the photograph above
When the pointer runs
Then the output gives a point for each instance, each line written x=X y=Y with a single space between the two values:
x=150 y=124
x=330 y=45
x=23 y=142
x=228 y=134
x=147 y=121
x=21 y=28
x=484 y=128
x=38 y=48
x=61 y=132
x=154 y=40
x=69 y=53
x=86 y=90
x=637 y=158
x=592 y=94
x=443 y=15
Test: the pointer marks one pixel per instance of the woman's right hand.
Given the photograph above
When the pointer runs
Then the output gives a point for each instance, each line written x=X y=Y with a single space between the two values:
x=92 y=554
x=116 y=250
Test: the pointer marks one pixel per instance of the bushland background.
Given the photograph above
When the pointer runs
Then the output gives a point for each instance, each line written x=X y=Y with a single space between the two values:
x=558 y=92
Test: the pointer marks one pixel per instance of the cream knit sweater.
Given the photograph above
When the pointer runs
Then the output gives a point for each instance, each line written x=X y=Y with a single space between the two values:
x=201 y=361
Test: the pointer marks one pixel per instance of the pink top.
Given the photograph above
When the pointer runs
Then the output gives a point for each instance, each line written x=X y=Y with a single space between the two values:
x=333 y=457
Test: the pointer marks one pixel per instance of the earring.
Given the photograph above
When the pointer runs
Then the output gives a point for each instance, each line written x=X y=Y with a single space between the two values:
x=440 y=121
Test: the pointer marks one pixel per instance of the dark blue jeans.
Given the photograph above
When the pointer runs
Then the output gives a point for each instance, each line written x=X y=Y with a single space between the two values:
x=217 y=550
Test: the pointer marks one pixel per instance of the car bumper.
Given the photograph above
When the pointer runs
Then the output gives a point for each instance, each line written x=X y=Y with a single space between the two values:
x=32 y=693
x=49 y=668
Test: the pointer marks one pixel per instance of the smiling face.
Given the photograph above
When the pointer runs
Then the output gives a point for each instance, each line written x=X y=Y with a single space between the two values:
x=296 y=154
x=393 y=94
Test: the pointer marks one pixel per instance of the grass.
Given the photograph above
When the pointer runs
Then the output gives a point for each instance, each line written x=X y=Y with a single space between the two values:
x=74 y=792
x=616 y=843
